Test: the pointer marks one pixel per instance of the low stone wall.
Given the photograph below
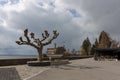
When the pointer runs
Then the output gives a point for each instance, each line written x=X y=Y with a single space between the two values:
x=7 y=62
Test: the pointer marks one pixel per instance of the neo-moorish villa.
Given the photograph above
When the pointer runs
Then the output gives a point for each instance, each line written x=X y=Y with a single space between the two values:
x=107 y=49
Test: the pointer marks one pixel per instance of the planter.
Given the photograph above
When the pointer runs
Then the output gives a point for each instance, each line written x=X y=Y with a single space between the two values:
x=47 y=63
x=37 y=63
x=60 y=62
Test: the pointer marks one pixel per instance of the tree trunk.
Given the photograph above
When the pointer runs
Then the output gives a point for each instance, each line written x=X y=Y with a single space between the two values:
x=39 y=54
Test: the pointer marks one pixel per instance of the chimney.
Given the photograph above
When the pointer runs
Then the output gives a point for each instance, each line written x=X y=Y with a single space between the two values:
x=55 y=45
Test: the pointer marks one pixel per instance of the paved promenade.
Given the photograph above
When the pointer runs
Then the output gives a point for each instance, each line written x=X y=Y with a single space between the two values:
x=83 y=69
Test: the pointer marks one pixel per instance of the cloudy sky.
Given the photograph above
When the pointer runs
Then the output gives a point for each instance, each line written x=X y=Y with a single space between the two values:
x=73 y=19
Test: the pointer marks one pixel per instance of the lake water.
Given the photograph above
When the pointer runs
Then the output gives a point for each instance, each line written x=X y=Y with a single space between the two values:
x=17 y=56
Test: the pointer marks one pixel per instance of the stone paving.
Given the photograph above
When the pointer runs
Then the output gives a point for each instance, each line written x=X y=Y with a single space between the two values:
x=9 y=74
x=83 y=69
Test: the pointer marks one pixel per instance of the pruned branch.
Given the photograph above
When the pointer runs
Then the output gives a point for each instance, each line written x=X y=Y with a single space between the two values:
x=18 y=42
x=21 y=39
x=55 y=35
x=32 y=35
x=45 y=35
x=26 y=43
x=26 y=35
x=26 y=32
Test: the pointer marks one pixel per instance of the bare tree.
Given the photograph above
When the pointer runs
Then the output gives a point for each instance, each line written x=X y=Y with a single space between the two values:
x=86 y=45
x=37 y=43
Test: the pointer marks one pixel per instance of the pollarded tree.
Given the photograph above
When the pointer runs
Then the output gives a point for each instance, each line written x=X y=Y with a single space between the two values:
x=37 y=43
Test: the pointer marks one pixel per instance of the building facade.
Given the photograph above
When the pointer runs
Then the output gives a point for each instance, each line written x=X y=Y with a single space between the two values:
x=56 y=50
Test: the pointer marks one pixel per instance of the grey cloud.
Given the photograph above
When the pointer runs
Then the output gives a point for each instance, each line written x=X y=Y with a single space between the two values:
x=100 y=15
x=95 y=16
x=105 y=14
x=38 y=19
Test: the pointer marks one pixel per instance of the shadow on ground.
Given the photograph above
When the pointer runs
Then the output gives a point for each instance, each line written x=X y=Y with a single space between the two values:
x=71 y=67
